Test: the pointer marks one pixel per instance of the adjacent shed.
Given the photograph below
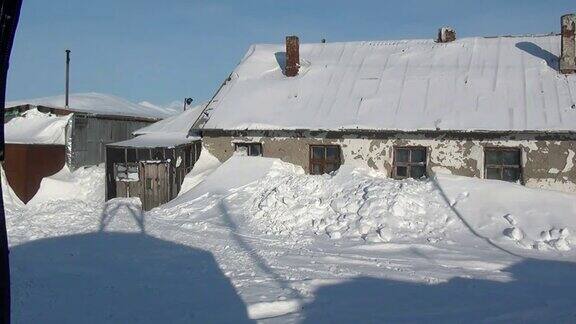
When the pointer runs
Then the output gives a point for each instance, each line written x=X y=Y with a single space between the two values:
x=44 y=137
x=150 y=167
x=153 y=165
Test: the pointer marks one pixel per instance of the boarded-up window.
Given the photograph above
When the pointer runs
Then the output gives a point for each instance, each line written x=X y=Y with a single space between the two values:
x=250 y=149
x=502 y=164
x=409 y=162
x=126 y=171
x=324 y=158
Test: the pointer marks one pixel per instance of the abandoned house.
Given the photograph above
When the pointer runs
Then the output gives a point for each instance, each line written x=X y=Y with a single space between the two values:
x=489 y=107
x=42 y=136
x=152 y=165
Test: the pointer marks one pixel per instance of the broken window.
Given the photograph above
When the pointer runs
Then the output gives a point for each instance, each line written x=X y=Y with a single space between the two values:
x=409 y=162
x=249 y=149
x=324 y=158
x=126 y=171
x=502 y=164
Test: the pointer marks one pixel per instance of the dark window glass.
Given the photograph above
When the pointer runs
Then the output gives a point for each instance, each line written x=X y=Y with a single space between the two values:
x=250 y=149
x=409 y=162
x=511 y=174
x=492 y=157
x=402 y=155
x=417 y=171
x=510 y=158
x=418 y=155
x=316 y=168
x=324 y=158
x=255 y=150
x=148 y=183
x=143 y=154
x=131 y=155
x=402 y=171
x=493 y=173
x=332 y=153
x=318 y=152
x=330 y=167
x=503 y=164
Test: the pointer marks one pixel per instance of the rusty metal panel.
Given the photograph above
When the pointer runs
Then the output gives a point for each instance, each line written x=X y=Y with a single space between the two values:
x=27 y=164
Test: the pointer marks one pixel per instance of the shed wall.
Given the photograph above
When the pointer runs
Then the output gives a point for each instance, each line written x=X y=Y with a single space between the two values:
x=546 y=163
x=180 y=159
x=27 y=164
x=88 y=135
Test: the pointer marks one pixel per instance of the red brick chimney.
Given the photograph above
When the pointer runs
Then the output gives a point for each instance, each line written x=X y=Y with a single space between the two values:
x=292 y=56
x=568 y=47
x=446 y=35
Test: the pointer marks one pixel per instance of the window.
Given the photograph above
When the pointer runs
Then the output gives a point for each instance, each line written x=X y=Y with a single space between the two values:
x=324 y=158
x=502 y=164
x=251 y=149
x=126 y=172
x=409 y=162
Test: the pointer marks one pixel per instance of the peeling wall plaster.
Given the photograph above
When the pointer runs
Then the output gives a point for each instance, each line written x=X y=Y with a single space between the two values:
x=540 y=158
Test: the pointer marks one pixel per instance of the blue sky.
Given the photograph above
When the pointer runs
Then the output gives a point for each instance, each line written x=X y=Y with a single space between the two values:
x=165 y=50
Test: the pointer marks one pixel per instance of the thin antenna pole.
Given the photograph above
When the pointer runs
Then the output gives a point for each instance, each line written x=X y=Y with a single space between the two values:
x=67 y=76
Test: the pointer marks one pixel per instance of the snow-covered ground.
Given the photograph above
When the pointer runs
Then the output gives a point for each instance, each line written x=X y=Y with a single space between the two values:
x=256 y=239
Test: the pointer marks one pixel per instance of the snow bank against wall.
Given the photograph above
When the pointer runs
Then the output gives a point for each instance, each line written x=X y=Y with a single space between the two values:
x=34 y=127
x=361 y=204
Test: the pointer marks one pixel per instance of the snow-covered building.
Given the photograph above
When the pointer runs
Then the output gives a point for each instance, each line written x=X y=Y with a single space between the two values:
x=42 y=136
x=488 y=107
x=152 y=165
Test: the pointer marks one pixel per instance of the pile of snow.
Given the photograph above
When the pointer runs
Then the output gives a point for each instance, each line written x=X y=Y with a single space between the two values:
x=34 y=127
x=206 y=164
x=359 y=204
x=84 y=184
x=511 y=214
x=353 y=203
x=98 y=103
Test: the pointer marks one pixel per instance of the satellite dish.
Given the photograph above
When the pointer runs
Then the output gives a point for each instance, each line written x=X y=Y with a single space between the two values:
x=189 y=101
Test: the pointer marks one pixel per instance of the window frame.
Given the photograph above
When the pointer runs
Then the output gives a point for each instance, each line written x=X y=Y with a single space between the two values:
x=249 y=147
x=127 y=166
x=323 y=162
x=504 y=166
x=409 y=164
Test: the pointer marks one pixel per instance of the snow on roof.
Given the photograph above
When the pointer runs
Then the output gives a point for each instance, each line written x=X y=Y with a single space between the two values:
x=34 y=127
x=98 y=103
x=168 y=132
x=499 y=83
x=157 y=140
x=180 y=123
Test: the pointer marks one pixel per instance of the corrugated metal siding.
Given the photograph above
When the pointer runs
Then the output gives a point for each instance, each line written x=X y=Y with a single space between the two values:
x=90 y=134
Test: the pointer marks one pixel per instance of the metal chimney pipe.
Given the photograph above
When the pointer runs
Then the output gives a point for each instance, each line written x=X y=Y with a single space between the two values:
x=67 y=76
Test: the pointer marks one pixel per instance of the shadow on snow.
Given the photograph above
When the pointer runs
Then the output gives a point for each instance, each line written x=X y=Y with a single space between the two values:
x=120 y=278
x=540 y=291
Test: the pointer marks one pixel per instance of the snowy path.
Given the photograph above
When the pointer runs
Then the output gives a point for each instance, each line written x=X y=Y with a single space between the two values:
x=204 y=259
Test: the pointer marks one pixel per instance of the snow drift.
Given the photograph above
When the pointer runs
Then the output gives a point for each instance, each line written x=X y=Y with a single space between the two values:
x=34 y=127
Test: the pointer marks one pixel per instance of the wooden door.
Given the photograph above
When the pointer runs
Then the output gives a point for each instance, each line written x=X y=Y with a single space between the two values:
x=155 y=180
x=127 y=189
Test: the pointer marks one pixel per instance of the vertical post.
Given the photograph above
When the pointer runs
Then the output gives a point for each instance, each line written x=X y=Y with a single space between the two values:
x=9 y=15
x=568 y=44
x=292 y=56
x=67 y=77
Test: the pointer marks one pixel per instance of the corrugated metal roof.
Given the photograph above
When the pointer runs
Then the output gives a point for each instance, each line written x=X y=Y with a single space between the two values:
x=481 y=84
x=100 y=104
